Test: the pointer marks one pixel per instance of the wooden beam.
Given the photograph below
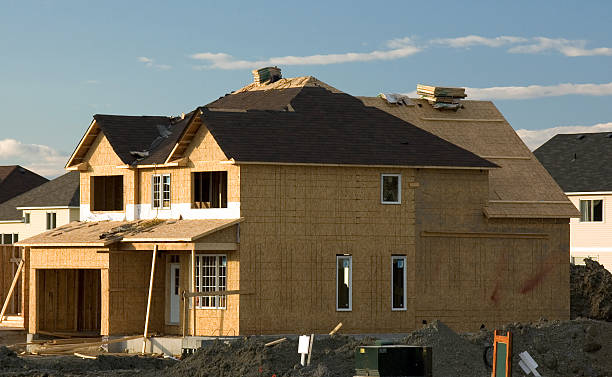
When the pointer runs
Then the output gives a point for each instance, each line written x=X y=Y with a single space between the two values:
x=484 y=235
x=177 y=246
x=192 y=290
x=11 y=289
x=146 y=329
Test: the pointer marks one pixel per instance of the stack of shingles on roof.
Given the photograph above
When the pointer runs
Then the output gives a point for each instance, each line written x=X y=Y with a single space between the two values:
x=15 y=180
x=267 y=74
x=62 y=191
x=441 y=97
x=579 y=162
x=323 y=127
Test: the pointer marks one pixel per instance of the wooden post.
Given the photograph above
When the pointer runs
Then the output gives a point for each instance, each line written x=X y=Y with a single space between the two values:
x=11 y=289
x=310 y=349
x=146 y=329
x=192 y=289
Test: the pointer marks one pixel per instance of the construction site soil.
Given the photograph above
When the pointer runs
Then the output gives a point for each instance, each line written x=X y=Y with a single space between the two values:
x=578 y=347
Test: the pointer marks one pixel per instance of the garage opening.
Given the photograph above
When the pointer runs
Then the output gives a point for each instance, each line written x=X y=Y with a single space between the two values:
x=68 y=300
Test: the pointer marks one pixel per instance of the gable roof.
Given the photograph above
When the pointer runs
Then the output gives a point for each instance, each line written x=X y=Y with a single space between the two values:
x=579 y=162
x=521 y=187
x=15 y=180
x=62 y=191
x=315 y=125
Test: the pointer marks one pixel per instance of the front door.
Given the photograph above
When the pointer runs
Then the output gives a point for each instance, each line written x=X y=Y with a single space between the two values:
x=175 y=298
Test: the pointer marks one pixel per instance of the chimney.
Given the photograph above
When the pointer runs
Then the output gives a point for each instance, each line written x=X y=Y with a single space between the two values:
x=266 y=75
x=441 y=97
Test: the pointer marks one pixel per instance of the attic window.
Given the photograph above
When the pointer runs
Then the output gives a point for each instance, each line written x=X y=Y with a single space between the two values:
x=210 y=189
x=106 y=193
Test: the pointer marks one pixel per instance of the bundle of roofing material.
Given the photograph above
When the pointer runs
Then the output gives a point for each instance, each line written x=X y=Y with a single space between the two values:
x=266 y=75
x=442 y=97
x=397 y=98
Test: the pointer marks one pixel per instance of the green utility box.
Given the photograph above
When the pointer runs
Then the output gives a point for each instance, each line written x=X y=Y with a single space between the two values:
x=393 y=361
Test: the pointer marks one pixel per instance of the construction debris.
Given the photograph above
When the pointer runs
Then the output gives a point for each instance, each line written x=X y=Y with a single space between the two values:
x=266 y=75
x=591 y=291
x=442 y=97
x=397 y=98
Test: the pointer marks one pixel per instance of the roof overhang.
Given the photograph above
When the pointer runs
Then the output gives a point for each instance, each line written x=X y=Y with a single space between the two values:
x=235 y=162
x=76 y=159
x=47 y=207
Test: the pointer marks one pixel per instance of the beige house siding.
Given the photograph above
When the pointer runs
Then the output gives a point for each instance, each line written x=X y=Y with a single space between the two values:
x=592 y=239
x=38 y=221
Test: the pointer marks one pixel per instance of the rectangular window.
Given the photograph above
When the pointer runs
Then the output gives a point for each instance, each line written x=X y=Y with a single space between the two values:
x=107 y=193
x=344 y=286
x=15 y=237
x=591 y=210
x=26 y=217
x=398 y=283
x=161 y=191
x=51 y=220
x=211 y=275
x=390 y=188
x=6 y=239
x=210 y=189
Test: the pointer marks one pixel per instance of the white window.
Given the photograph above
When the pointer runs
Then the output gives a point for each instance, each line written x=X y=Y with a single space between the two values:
x=344 y=283
x=26 y=217
x=391 y=188
x=51 y=220
x=398 y=283
x=9 y=238
x=161 y=191
x=591 y=210
x=211 y=275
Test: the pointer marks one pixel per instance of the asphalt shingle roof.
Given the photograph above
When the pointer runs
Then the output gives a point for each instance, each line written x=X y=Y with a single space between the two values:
x=15 y=180
x=579 y=162
x=319 y=126
x=62 y=191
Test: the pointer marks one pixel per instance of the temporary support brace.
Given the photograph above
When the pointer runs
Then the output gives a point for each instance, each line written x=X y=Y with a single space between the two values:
x=11 y=289
x=146 y=329
x=193 y=289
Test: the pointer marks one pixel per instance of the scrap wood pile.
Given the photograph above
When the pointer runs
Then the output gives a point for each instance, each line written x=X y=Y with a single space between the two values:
x=442 y=97
x=84 y=347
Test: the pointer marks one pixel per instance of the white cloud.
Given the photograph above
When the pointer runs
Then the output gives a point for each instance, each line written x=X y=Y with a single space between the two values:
x=535 y=138
x=538 y=91
x=477 y=40
x=567 y=47
x=226 y=61
x=148 y=62
x=41 y=159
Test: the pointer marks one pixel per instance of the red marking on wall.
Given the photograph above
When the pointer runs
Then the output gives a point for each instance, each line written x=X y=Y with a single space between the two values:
x=541 y=272
x=495 y=295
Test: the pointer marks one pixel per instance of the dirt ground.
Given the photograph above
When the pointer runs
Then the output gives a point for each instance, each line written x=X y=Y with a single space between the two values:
x=578 y=347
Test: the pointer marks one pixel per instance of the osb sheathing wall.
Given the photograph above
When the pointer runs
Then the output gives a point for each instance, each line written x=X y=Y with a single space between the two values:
x=129 y=277
x=9 y=256
x=468 y=277
x=203 y=155
x=104 y=161
x=297 y=219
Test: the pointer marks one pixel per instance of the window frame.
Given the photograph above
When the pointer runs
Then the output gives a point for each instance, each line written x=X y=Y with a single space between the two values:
x=591 y=207
x=51 y=219
x=216 y=193
x=405 y=281
x=199 y=284
x=99 y=184
x=162 y=191
x=27 y=217
x=382 y=187
x=350 y=281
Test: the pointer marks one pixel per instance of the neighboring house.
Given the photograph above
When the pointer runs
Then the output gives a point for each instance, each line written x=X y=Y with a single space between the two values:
x=582 y=165
x=306 y=207
x=15 y=180
x=42 y=208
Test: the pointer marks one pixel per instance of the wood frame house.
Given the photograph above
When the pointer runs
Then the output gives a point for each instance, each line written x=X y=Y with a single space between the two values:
x=304 y=206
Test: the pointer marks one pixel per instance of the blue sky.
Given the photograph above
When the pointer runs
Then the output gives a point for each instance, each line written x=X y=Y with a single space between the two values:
x=63 y=61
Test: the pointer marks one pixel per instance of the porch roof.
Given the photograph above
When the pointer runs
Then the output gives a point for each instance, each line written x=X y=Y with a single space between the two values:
x=104 y=233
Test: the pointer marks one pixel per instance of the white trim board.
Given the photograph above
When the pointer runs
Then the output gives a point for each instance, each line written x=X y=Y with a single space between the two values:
x=590 y=249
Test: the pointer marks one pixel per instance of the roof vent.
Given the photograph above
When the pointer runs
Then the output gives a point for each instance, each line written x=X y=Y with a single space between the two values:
x=442 y=97
x=266 y=75
x=580 y=137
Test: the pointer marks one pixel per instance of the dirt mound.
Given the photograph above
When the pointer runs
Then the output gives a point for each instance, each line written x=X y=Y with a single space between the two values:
x=9 y=359
x=331 y=357
x=591 y=291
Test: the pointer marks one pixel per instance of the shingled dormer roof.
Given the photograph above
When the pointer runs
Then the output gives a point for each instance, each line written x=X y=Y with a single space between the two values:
x=579 y=162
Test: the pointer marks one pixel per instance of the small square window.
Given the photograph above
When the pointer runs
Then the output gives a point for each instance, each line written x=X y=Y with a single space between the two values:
x=390 y=188
x=591 y=210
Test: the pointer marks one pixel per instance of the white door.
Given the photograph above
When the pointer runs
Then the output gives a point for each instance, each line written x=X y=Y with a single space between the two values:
x=175 y=298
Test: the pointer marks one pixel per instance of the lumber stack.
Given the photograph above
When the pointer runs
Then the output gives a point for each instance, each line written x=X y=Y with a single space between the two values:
x=442 y=97
x=266 y=75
